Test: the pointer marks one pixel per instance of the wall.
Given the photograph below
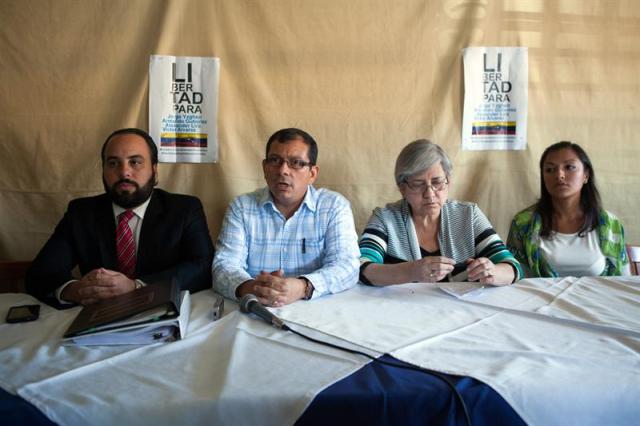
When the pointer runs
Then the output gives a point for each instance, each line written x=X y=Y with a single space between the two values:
x=364 y=77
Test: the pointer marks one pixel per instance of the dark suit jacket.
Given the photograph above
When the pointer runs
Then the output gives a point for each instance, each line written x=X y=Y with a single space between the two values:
x=174 y=243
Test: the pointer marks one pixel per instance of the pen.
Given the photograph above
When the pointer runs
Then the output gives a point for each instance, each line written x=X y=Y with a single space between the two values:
x=304 y=245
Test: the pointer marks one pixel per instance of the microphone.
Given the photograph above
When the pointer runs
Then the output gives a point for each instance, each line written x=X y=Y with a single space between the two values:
x=249 y=304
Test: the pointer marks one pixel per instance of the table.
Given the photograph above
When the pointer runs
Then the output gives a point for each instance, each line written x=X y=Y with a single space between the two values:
x=234 y=371
x=558 y=350
x=374 y=395
x=409 y=397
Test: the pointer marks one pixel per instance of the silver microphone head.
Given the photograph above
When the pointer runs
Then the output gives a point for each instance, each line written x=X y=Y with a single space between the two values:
x=246 y=300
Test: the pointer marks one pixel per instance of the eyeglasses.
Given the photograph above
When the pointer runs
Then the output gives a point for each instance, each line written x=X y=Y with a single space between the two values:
x=292 y=163
x=420 y=186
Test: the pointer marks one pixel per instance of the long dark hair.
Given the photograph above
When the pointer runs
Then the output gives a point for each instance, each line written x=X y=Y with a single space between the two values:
x=589 y=195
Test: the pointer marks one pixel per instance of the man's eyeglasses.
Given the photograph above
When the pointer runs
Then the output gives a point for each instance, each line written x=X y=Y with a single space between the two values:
x=420 y=186
x=292 y=163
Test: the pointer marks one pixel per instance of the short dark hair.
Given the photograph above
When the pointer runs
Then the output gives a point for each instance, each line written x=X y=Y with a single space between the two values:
x=286 y=135
x=589 y=195
x=153 y=149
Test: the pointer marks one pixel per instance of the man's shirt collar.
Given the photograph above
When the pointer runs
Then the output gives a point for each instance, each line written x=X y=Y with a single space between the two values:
x=138 y=211
x=310 y=199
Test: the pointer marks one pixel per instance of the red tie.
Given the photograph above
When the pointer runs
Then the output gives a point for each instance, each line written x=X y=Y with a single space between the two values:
x=126 y=245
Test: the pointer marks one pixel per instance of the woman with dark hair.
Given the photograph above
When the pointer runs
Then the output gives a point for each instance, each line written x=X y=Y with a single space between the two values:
x=425 y=237
x=567 y=232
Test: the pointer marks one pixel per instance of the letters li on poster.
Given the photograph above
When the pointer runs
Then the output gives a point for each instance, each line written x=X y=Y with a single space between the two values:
x=183 y=108
x=495 y=98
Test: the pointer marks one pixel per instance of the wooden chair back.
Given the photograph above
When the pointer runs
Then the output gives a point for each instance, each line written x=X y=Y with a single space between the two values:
x=634 y=259
x=12 y=274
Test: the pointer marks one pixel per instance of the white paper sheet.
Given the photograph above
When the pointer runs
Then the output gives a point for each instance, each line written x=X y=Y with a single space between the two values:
x=461 y=289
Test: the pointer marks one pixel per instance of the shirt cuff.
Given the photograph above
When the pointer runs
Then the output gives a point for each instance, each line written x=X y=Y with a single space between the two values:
x=59 y=291
x=227 y=282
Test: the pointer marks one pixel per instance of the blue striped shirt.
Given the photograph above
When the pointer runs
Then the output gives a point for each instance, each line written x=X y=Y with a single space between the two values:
x=319 y=242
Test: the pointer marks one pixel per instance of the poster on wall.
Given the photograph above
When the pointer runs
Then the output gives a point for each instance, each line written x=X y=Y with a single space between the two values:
x=495 y=98
x=183 y=108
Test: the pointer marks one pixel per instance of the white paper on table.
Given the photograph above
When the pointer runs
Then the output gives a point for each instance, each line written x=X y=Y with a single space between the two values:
x=461 y=289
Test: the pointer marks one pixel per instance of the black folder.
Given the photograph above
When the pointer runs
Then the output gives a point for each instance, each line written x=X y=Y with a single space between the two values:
x=140 y=310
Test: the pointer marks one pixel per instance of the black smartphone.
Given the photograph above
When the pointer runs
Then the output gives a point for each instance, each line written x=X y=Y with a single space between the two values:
x=23 y=313
x=459 y=267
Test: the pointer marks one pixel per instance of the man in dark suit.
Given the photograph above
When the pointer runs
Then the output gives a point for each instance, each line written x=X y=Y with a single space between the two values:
x=129 y=237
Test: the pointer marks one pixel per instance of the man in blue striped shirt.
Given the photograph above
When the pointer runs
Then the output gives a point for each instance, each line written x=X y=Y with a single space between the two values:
x=287 y=241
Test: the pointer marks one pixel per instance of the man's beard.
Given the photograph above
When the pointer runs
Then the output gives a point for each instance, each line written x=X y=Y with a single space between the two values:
x=129 y=200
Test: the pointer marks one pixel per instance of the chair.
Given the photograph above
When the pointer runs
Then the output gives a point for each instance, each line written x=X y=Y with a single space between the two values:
x=634 y=259
x=12 y=274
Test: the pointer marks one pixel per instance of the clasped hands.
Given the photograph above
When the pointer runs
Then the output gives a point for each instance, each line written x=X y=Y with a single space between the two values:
x=434 y=268
x=273 y=288
x=97 y=285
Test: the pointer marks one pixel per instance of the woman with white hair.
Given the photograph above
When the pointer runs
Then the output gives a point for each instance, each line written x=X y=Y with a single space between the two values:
x=424 y=237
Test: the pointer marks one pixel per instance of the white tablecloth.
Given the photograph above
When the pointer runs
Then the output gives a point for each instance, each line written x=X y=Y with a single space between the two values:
x=559 y=351
x=237 y=370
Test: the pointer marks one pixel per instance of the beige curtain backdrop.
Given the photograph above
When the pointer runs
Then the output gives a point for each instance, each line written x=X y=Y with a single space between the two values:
x=364 y=77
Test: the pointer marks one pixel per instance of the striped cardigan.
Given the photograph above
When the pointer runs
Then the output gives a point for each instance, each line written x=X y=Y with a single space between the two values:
x=464 y=232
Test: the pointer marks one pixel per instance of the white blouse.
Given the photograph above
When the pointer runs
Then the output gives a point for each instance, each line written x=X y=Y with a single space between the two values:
x=573 y=256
